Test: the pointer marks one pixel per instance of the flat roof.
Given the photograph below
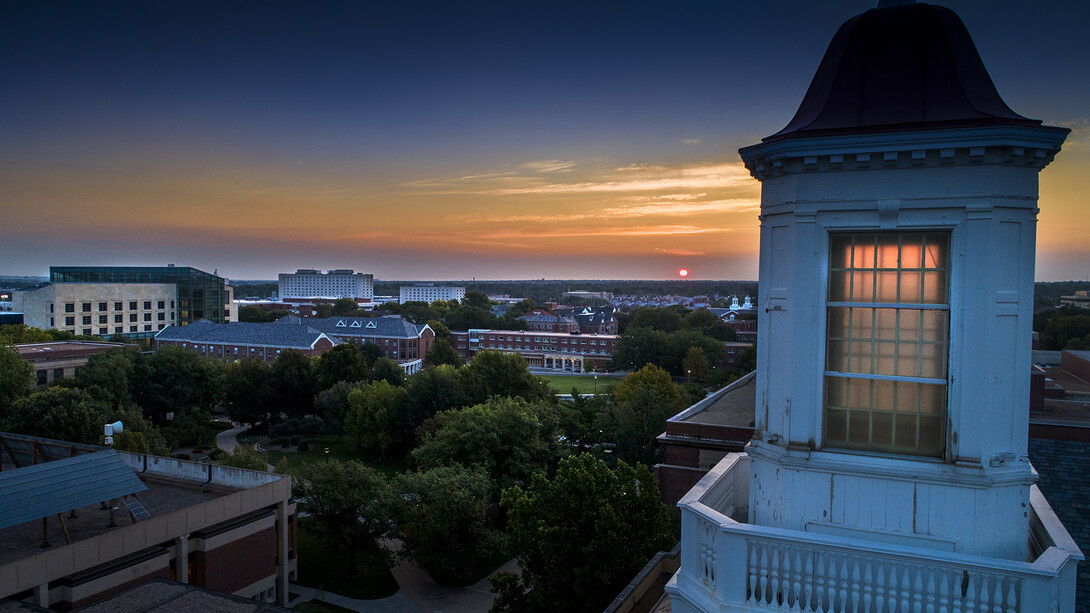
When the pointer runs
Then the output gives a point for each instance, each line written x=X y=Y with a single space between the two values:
x=165 y=596
x=734 y=405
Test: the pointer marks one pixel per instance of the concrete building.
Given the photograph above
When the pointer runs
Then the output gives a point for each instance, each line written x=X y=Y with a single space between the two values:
x=889 y=463
x=430 y=293
x=199 y=295
x=59 y=360
x=338 y=283
x=135 y=310
x=79 y=523
x=1081 y=299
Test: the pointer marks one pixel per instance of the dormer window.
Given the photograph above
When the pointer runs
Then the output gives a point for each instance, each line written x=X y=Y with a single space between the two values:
x=887 y=343
x=340 y=324
x=372 y=324
x=355 y=324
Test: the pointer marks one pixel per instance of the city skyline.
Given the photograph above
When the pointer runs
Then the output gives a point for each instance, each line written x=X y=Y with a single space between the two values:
x=450 y=140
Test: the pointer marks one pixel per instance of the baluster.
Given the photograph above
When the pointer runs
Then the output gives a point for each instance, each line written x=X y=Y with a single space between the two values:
x=808 y=583
x=752 y=571
x=891 y=593
x=997 y=597
x=1012 y=598
x=856 y=588
x=982 y=602
x=906 y=587
x=773 y=596
x=880 y=588
x=762 y=599
x=969 y=605
x=713 y=556
x=931 y=590
x=944 y=591
x=843 y=600
x=796 y=575
x=868 y=586
x=831 y=585
x=819 y=581
x=917 y=590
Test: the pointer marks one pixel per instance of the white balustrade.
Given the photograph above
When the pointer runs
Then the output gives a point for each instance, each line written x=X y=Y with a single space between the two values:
x=741 y=567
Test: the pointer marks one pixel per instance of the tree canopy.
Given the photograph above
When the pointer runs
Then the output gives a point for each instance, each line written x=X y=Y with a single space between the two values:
x=581 y=536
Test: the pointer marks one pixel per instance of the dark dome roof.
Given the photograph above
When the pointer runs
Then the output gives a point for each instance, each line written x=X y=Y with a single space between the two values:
x=906 y=67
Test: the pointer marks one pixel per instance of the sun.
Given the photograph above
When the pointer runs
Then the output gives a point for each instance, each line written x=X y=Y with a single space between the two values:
x=683 y=273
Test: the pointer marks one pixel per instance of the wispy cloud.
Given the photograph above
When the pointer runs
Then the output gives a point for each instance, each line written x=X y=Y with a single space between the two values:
x=681 y=252
x=692 y=141
x=549 y=166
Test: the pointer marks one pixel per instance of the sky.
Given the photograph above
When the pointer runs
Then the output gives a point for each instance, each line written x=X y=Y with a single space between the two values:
x=451 y=139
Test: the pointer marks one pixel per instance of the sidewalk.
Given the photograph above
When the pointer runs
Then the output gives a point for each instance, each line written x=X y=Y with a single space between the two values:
x=418 y=594
x=228 y=439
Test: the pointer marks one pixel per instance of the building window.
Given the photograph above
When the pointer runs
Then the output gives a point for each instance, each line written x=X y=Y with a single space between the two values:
x=133 y=328
x=102 y=306
x=101 y=319
x=118 y=318
x=50 y=307
x=162 y=317
x=147 y=328
x=132 y=317
x=103 y=331
x=147 y=316
x=117 y=306
x=86 y=332
x=118 y=329
x=887 y=342
x=147 y=304
x=172 y=304
x=69 y=321
x=51 y=324
x=58 y=373
x=86 y=306
x=69 y=307
x=86 y=320
x=132 y=305
x=162 y=304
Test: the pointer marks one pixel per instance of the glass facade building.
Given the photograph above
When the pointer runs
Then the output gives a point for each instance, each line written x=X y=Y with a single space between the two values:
x=201 y=295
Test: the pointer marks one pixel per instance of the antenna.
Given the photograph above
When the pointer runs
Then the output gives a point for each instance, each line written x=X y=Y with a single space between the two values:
x=110 y=429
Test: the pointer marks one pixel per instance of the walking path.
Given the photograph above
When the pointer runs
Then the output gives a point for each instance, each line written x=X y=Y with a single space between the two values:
x=418 y=594
x=228 y=439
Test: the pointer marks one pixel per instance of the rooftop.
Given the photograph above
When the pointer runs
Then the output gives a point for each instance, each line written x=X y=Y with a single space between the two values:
x=733 y=405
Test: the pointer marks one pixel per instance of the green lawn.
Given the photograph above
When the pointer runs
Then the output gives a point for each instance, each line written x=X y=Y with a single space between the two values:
x=340 y=448
x=325 y=569
x=563 y=384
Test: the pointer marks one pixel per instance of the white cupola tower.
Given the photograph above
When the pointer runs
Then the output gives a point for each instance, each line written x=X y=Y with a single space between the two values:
x=898 y=219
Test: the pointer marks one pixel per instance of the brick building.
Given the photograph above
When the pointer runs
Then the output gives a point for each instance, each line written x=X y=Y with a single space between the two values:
x=541 y=321
x=245 y=340
x=552 y=350
x=59 y=360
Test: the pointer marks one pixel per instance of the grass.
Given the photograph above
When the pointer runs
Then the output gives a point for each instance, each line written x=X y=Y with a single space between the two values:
x=340 y=448
x=325 y=569
x=583 y=383
x=318 y=606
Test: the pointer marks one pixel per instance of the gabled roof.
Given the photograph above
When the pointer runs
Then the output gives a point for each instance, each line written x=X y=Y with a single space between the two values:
x=389 y=326
x=276 y=334
x=904 y=66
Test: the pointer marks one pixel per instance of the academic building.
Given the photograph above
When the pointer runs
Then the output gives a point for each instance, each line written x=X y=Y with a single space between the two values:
x=889 y=466
x=339 y=283
x=79 y=523
x=431 y=293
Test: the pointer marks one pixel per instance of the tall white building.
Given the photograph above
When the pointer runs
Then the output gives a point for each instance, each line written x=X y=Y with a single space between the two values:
x=431 y=293
x=888 y=469
x=339 y=283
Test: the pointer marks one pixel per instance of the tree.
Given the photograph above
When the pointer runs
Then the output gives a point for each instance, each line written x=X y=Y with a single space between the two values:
x=293 y=379
x=511 y=438
x=495 y=373
x=344 y=307
x=112 y=376
x=71 y=415
x=642 y=402
x=441 y=330
x=695 y=364
x=435 y=389
x=477 y=299
x=16 y=377
x=638 y=347
x=581 y=536
x=446 y=521
x=372 y=418
x=177 y=379
x=664 y=320
x=247 y=392
x=348 y=504
x=257 y=314
x=709 y=324
x=521 y=308
x=190 y=427
x=332 y=404
x=579 y=419
x=245 y=456
x=388 y=370
x=467 y=317
x=442 y=352
x=342 y=363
